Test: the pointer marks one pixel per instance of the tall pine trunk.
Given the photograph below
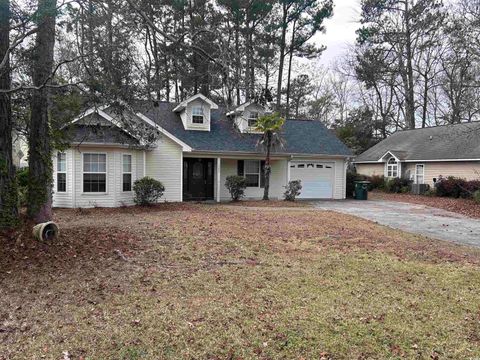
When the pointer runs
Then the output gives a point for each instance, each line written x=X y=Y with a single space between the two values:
x=40 y=151
x=282 y=56
x=289 y=74
x=8 y=189
x=410 y=96
x=268 y=169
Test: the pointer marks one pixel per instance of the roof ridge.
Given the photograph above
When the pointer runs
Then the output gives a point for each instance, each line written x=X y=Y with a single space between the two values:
x=436 y=126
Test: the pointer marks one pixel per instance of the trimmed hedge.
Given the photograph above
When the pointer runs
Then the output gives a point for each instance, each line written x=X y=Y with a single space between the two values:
x=236 y=186
x=147 y=191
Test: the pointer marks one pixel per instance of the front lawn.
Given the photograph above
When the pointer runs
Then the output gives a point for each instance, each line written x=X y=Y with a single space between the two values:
x=182 y=281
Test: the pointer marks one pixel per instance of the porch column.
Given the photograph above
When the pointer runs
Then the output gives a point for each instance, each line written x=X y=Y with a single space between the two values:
x=219 y=163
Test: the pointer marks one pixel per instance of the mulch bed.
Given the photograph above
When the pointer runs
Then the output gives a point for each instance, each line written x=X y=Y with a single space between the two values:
x=465 y=207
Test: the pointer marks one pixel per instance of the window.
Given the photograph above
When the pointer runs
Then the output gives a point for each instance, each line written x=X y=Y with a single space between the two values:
x=252 y=119
x=392 y=168
x=94 y=173
x=127 y=172
x=420 y=174
x=252 y=173
x=319 y=166
x=61 y=172
x=197 y=115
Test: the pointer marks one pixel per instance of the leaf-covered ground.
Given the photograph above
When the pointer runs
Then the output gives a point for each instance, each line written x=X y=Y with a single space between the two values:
x=182 y=281
x=466 y=207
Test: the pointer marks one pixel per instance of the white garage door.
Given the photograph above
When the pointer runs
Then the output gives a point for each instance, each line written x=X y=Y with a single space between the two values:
x=317 y=179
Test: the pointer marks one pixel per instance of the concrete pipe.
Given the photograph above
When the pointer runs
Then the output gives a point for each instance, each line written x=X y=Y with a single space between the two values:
x=47 y=231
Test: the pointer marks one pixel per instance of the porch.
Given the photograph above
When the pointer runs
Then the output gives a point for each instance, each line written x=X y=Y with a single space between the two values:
x=204 y=176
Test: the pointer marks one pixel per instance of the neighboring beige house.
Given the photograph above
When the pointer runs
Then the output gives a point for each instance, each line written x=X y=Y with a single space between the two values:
x=423 y=155
x=200 y=144
x=19 y=151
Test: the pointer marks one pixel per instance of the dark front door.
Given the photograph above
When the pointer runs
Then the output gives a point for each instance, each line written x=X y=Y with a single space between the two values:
x=197 y=179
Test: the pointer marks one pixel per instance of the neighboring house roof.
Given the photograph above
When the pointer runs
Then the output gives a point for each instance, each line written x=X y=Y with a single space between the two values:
x=447 y=142
x=300 y=136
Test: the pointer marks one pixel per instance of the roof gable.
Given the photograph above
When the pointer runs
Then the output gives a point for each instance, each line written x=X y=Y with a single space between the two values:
x=183 y=104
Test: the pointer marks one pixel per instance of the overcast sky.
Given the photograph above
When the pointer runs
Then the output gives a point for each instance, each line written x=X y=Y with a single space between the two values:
x=340 y=29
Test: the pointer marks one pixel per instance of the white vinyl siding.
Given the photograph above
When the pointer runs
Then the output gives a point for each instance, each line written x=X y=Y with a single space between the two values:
x=165 y=163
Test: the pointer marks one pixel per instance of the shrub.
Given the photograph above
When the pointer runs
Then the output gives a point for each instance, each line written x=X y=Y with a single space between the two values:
x=397 y=185
x=147 y=191
x=292 y=190
x=376 y=182
x=476 y=196
x=456 y=187
x=236 y=186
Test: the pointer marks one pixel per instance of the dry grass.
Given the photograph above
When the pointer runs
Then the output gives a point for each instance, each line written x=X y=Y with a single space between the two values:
x=215 y=282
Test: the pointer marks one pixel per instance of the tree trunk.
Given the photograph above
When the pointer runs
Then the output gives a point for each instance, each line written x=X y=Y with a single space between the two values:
x=282 y=56
x=8 y=189
x=40 y=152
x=268 y=169
x=410 y=96
x=292 y=45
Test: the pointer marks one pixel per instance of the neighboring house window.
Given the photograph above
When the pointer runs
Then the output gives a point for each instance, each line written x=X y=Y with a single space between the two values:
x=61 y=172
x=420 y=174
x=392 y=168
x=252 y=173
x=197 y=115
x=94 y=173
x=252 y=119
x=127 y=172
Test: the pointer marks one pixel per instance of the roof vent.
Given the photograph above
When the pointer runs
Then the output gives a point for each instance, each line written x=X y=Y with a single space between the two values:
x=431 y=137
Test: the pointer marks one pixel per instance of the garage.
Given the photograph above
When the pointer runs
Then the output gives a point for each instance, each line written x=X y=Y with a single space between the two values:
x=317 y=178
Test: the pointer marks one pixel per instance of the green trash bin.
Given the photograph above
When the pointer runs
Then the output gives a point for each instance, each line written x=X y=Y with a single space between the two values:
x=361 y=190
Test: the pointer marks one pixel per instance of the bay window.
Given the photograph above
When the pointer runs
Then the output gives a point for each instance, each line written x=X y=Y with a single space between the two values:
x=127 y=172
x=61 y=172
x=94 y=173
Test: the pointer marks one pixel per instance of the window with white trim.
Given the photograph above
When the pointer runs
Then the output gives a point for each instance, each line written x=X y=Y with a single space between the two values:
x=127 y=172
x=252 y=119
x=94 y=173
x=419 y=174
x=61 y=172
x=392 y=168
x=252 y=173
x=197 y=115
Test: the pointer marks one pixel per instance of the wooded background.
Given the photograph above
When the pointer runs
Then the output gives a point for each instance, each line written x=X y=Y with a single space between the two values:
x=415 y=64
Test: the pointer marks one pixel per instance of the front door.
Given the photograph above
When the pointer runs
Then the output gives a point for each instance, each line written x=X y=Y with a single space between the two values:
x=197 y=179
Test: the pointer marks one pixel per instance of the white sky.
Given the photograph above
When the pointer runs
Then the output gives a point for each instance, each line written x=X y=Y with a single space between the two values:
x=340 y=30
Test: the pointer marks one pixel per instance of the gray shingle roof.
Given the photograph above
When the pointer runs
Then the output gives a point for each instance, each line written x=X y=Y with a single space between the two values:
x=459 y=141
x=90 y=134
x=300 y=136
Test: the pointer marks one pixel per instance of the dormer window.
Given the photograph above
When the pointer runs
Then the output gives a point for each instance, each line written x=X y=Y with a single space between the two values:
x=252 y=119
x=197 y=115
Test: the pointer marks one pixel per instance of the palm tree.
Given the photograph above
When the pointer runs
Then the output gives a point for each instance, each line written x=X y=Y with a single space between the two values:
x=270 y=126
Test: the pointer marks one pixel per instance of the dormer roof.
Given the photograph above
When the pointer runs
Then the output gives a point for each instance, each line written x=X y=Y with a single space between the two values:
x=183 y=104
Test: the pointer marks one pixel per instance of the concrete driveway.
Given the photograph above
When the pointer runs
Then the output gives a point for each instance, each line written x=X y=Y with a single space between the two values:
x=413 y=218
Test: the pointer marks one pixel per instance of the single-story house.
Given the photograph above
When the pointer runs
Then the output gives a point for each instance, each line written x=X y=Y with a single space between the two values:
x=198 y=147
x=423 y=155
